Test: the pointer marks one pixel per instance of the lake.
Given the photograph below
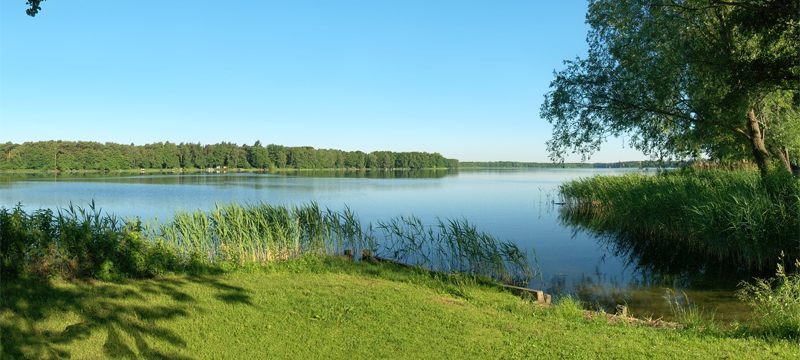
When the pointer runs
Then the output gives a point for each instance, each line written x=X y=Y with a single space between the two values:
x=515 y=205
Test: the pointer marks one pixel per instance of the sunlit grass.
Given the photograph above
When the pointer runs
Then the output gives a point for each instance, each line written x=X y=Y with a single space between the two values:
x=325 y=307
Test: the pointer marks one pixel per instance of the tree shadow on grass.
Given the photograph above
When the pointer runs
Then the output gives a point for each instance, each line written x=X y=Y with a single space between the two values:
x=128 y=314
x=227 y=293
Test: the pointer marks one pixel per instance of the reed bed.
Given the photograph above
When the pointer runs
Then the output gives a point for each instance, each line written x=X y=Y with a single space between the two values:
x=736 y=219
x=263 y=232
x=454 y=246
x=85 y=242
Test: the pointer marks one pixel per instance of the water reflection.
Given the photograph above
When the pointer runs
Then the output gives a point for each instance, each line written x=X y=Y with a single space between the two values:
x=658 y=270
x=513 y=205
x=375 y=174
x=659 y=262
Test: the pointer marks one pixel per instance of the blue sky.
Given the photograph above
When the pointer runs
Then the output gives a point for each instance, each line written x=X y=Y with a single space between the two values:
x=463 y=78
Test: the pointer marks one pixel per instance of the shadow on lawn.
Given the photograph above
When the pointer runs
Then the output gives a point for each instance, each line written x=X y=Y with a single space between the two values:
x=120 y=312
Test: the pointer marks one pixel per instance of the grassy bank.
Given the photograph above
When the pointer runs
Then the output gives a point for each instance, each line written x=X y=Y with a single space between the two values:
x=313 y=307
x=693 y=220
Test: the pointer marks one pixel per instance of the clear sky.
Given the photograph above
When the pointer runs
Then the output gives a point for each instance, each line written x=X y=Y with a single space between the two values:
x=463 y=78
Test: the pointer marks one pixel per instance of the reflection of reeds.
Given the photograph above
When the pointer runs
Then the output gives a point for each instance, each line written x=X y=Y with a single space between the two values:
x=454 y=246
x=730 y=217
x=255 y=233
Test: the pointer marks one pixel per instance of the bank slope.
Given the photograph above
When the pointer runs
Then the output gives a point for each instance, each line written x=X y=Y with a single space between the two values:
x=311 y=308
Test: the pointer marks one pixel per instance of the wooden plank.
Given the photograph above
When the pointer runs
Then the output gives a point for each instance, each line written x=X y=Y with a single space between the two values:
x=540 y=296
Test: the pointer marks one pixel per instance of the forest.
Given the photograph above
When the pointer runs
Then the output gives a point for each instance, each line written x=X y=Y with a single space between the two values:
x=595 y=165
x=87 y=155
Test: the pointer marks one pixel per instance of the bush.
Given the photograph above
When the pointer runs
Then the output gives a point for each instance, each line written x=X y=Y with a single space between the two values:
x=79 y=242
x=776 y=304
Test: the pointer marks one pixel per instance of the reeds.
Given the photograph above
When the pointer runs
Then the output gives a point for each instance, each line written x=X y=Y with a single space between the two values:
x=101 y=245
x=263 y=232
x=734 y=218
x=454 y=246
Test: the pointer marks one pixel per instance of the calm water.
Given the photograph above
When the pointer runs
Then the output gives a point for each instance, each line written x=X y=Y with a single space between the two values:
x=513 y=205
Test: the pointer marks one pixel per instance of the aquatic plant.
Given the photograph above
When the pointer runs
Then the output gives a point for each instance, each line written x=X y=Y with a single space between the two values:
x=735 y=219
x=454 y=246
x=85 y=242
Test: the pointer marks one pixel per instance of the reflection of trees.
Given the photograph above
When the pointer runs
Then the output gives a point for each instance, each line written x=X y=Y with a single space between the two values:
x=657 y=261
x=100 y=308
x=646 y=300
x=657 y=266
x=598 y=291
x=375 y=174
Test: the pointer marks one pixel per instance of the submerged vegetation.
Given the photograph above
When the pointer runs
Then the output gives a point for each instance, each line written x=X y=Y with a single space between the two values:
x=692 y=221
x=84 y=242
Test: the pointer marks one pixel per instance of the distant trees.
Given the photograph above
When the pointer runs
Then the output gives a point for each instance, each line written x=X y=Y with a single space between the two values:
x=257 y=156
x=550 y=165
x=85 y=155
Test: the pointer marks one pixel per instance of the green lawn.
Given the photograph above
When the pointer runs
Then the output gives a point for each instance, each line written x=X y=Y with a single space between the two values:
x=311 y=308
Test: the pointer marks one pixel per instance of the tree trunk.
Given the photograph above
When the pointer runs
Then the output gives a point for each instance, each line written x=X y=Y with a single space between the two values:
x=760 y=152
x=783 y=154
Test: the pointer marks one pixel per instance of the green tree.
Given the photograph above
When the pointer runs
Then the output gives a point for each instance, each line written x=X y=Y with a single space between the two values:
x=683 y=78
x=258 y=156
x=277 y=155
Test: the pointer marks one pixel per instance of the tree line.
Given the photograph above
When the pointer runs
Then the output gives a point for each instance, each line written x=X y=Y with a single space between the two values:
x=536 y=165
x=87 y=155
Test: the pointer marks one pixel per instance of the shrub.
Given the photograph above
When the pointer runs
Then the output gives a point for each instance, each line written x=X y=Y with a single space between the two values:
x=776 y=304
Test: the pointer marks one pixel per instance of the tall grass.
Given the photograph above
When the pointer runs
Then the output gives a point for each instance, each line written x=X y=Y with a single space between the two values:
x=735 y=219
x=263 y=232
x=688 y=314
x=454 y=246
x=776 y=304
x=85 y=242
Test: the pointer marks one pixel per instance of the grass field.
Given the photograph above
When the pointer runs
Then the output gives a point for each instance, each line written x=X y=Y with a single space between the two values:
x=315 y=307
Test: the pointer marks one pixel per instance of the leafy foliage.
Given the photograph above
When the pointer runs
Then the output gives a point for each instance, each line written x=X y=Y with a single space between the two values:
x=34 y=6
x=683 y=78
